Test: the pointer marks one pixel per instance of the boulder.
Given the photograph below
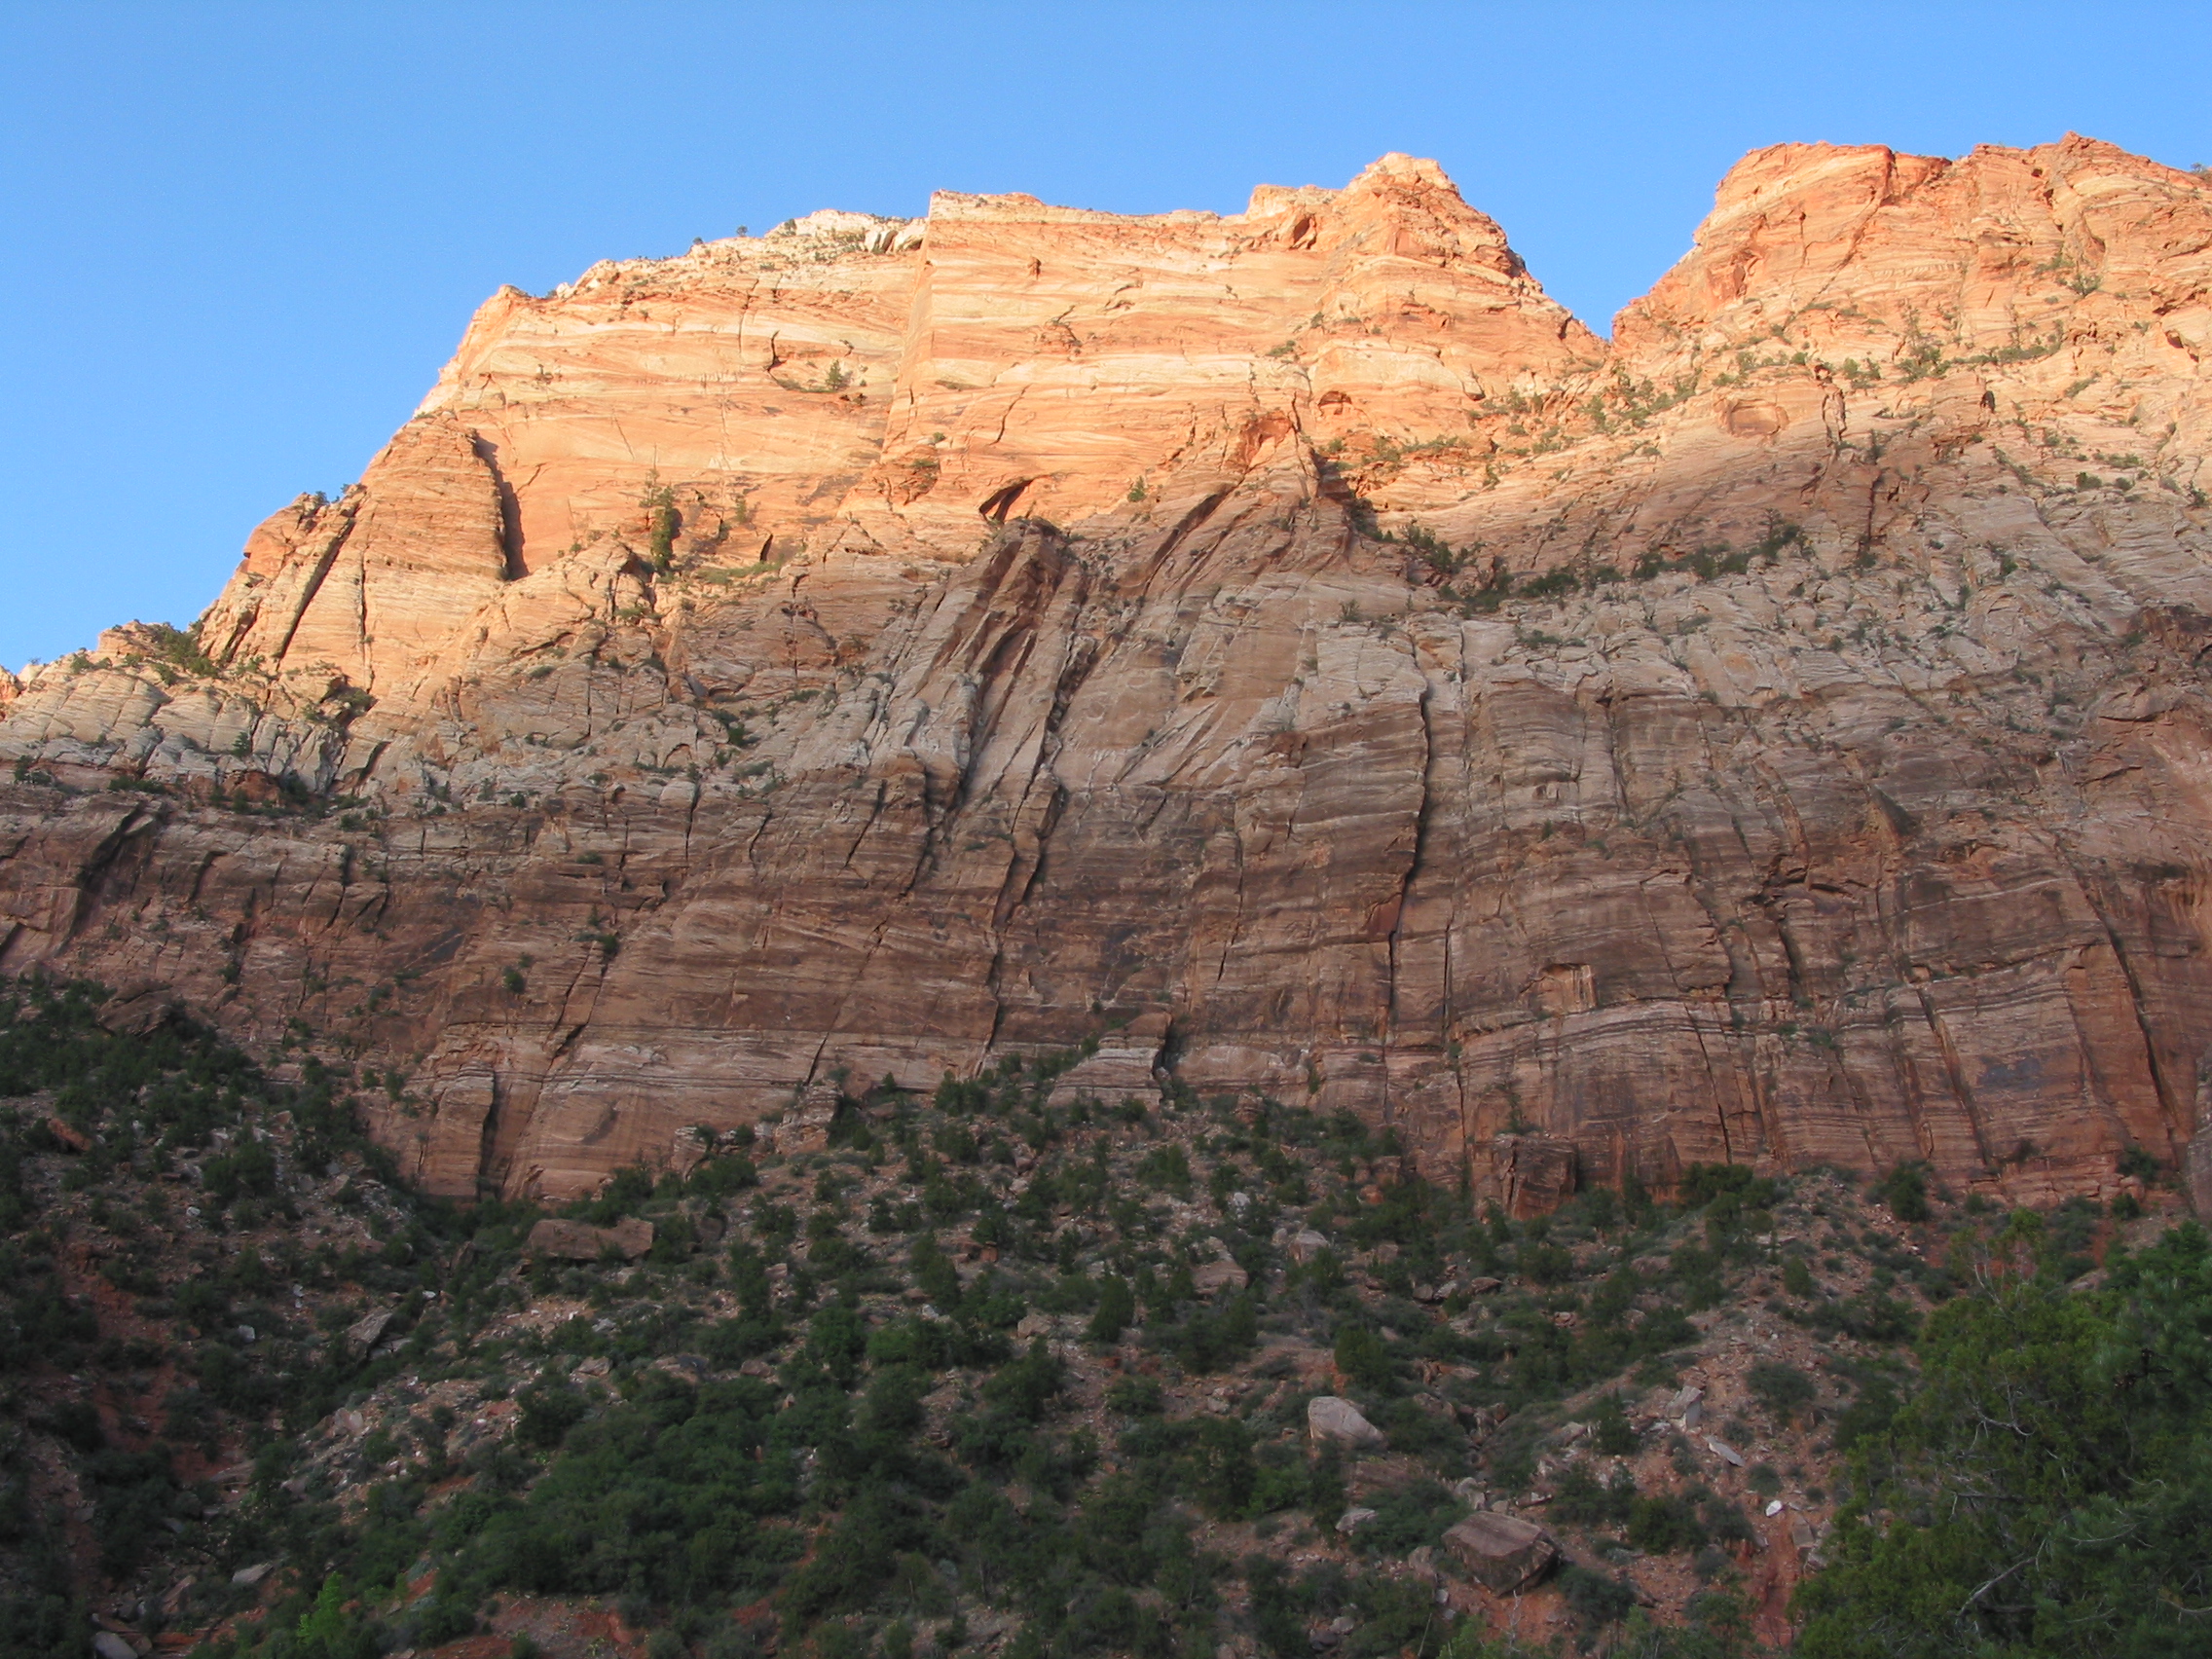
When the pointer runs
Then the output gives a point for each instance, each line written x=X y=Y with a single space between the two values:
x=369 y=1329
x=1217 y=1276
x=138 y=1007
x=1501 y=1552
x=1331 y=1419
x=580 y=1242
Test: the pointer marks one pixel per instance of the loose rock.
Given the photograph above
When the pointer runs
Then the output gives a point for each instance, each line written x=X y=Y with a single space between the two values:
x=1501 y=1552
x=1331 y=1419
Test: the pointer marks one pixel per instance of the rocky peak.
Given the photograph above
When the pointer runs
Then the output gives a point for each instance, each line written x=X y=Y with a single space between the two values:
x=1859 y=248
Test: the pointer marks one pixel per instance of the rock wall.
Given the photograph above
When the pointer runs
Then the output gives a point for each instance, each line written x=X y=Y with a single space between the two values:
x=1286 y=648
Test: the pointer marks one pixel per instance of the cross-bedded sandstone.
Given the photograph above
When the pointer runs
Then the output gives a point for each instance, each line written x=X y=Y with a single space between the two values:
x=1774 y=736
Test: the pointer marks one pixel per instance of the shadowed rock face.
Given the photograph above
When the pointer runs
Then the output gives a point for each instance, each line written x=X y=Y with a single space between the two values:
x=1776 y=736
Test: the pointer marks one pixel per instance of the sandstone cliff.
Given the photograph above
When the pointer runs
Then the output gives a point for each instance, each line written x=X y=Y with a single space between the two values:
x=1286 y=648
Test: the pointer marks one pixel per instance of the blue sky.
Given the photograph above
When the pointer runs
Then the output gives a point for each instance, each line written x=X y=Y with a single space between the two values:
x=240 y=239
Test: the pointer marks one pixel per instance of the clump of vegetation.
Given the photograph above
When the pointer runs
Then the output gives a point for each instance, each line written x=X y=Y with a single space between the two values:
x=1461 y=579
x=662 y=522
x=178 y=650
x=2078 y=1528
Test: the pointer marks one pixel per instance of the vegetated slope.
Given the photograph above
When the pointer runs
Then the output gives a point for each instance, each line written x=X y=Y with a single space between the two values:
x=1776 y=736
x=1007 y=1368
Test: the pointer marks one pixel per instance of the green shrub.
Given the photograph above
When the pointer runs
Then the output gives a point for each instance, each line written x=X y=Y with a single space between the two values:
x=1407 y=1517
x=1582 y=1501
x=674 y=1494
x=1546 y=1264
x=1117 y=1308
x=1904 y=1190
x=1611 y=1433
x=1594 y=1599
x=2078 y=1527
x=1665 y=1524
x=1702 y=1183
x=1783 y=1389
x=2139 y=1161
x=547 y=1414
x=1166 y=1168
x=1364 y=1357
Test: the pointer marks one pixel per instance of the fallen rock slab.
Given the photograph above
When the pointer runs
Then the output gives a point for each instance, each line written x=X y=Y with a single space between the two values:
x=1331 y=1419
x=1501 y=1552
x=580 y=1242
x=1217 y=1276
x=368 y=1330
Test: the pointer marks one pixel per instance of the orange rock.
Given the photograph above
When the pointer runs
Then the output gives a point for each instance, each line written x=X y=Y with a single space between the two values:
x=1776 y=736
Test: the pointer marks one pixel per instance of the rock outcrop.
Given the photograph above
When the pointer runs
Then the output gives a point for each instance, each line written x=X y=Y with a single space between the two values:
x=580 y=1242
x=1333 y=1420
x=1285 y=650
x=1502 y=1553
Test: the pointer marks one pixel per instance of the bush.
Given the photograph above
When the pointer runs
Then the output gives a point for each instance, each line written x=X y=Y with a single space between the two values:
x=1594 y=1599
x=1546 y=1264
x=1664 y=1525
x=1611 y=1433
x=547 y=1414
x=1702 y=1183
x=1166 y=1168
x=250 y=1171
x=1213 y=1340
x=667 y=1496
x=1117 y=1308
x=1904 y=1190
x=2141 y=1162
x=1406 y=1518
x=1581 y=1500
x=1362 y=1356
x=1783 y=1389
x=1866 y=1417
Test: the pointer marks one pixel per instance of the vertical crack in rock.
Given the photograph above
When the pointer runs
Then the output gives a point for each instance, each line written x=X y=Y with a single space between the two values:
x=1415 y=866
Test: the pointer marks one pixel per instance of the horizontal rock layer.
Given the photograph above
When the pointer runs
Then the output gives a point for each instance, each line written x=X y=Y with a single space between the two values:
x=1285 y=648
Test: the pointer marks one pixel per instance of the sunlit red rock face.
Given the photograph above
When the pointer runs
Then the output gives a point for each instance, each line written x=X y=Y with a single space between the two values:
x=884 y=647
